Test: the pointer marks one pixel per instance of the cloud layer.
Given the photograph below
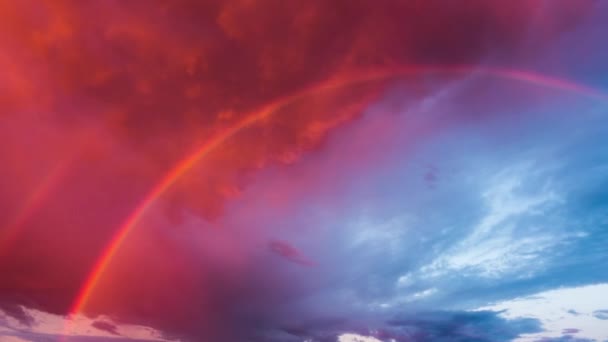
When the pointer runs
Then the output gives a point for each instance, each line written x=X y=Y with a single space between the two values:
x=365 y=200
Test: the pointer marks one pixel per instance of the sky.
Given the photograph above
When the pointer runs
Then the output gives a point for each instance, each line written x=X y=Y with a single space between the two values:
x=303 y=171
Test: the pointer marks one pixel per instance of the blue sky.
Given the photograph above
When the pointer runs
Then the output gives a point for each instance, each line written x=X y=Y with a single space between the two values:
x=475 y=215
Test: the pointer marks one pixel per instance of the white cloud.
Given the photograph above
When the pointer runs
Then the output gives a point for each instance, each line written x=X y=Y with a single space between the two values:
x=387 y=234
x=356 y=338
x=568 y=308
x=494 y=247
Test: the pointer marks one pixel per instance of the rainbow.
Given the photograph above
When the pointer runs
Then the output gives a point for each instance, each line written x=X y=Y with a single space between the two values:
x=106 y=258
x=46 y=187
x=33 y=202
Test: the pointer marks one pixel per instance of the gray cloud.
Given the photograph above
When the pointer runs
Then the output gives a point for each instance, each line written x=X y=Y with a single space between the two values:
x=601 y=314
x=105 y=326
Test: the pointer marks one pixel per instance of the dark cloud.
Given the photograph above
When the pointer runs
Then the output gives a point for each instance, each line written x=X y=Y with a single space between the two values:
x=431 y=176
x=423 y=326
x=17 y=311
x=289 y=252
x=601 y=314
x=565 y=338
x=464 y=326
x=105 y=326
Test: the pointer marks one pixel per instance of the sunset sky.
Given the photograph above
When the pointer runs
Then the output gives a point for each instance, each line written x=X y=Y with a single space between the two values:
x=319 y=170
